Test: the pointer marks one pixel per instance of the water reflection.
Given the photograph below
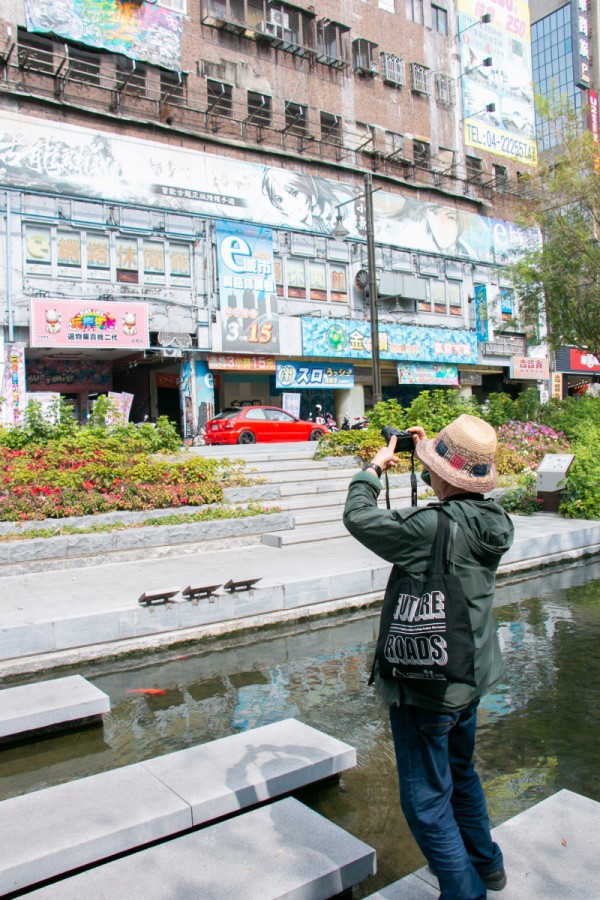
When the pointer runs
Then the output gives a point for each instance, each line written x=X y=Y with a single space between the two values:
x=538 y=729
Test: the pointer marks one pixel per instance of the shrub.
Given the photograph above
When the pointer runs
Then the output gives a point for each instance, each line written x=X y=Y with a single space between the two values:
x=581 y=498
x=522 y=499
x=523 y=445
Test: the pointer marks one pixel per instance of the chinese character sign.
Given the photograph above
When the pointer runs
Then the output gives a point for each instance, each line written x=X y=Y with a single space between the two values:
x=496 y=78
x=15 y=392
x=247 y=293
x=581 y=43
x=346 y=339
x=524 y=368
x=481 y=313
x=88 y=324
x=309 y=375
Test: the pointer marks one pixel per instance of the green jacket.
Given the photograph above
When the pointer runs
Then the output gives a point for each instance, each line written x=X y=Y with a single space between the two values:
x=481 y=532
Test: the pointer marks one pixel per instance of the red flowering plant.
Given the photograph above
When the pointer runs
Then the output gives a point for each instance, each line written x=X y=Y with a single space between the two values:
x=93 y=470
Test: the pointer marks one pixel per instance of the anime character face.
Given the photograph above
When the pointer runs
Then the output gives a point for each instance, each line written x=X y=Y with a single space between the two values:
x=290 y=194
x=443 y=224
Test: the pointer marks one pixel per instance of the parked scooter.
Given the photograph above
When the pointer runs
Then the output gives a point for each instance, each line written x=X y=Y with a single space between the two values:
x=330 y=422
x=357 y=424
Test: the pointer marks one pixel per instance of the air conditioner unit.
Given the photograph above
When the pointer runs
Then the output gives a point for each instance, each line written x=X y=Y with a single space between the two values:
x=374 y=68
x=170 y=353
x=279 y=18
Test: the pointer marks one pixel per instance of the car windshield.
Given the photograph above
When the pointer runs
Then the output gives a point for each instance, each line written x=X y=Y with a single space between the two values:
x=227 y=414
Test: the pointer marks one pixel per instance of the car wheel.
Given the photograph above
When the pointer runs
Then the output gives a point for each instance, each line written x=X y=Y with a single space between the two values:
x=315 y=434
x=246 y=437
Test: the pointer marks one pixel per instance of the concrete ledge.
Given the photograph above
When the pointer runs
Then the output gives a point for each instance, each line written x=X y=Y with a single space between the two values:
x=550 y=853
x=75 y=545
x=31 y=707
x=50 y=832
x=280 y=851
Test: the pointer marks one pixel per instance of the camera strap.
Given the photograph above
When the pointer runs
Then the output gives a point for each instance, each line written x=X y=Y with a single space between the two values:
x=413 y=484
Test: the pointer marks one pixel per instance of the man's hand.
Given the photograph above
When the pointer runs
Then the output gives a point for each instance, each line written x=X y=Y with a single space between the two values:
x=386 y=457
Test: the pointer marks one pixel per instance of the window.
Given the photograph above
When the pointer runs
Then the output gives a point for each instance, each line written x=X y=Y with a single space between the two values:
x=422 y=154
x=172 y=87
x=420 y=78
x=414 y=11
x=278 y=415
x=474 y=169
x=305 y=279
x=331 y=129
x=220 y=97
x=296 y=118
x=392 y=69
x=500 y=177
x=330 y=44
x=363 y=57
x=35 y=53
x=178 y=6
x=84 y=65
x=255 y=415
x=68 y=253
x=394 y=144
x=259 y=109
x=444 y=89
x=454 y=293
x=131 y=75
x=439 y=19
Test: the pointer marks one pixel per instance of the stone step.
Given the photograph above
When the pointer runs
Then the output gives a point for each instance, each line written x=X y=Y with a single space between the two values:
x=251 y=453
x=31 y=707
x=550 y=853
x=305 y=534
x=119 y=810
x=284 y=850
x=304 y=499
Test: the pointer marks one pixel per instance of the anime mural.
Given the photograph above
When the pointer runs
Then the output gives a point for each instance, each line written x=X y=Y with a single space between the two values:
x=34 y=155
x=140 y=31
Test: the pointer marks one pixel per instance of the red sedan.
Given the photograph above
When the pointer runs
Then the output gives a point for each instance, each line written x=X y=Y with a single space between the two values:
x=262 y=424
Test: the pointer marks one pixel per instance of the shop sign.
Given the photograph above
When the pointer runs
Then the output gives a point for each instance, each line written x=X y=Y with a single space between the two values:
x=241 y=363
x=580 y=33
x=473 y=379
x=88 y=324
x=437 y=374
x=68 y=376
x=15 y=394
x=482 y=322
x=582 y=361
x=167 y=380
x=122 y=404
x=351 y=339
x=291 y=404
x=140 y=31
x=308 y=375
x=593 y=122
x=524 y=368
x=557 y=385
x=247 y=291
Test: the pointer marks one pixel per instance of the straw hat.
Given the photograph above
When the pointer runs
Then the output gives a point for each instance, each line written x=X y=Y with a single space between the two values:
x=463 y=454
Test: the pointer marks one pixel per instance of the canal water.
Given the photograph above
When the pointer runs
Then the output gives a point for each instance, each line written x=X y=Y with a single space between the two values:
x=538 y=730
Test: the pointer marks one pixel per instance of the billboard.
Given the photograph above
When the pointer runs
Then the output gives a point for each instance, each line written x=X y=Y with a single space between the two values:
x=498 y=105
x=311 y=375
x=138 y=30
x=34 y=155
x=350 y=339
x=247 y=292
x=437 y=375
x=88 y=324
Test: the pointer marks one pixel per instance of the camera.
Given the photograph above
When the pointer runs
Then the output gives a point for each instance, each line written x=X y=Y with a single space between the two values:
x=404 y=439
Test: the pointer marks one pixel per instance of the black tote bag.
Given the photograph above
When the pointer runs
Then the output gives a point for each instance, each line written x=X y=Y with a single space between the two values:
x=425 y=630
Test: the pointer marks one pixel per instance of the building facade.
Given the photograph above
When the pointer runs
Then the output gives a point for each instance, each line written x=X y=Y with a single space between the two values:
x=172 y=173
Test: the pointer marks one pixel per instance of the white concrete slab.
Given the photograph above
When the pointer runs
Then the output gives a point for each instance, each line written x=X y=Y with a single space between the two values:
x=52 y=831
x=30 y=707
x=284 y=850
x=224 y=776
x=550 y=853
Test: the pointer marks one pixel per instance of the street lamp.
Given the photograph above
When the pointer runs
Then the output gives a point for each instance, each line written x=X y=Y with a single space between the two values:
x=488 y=108
x=485 y=19
x=339 y=232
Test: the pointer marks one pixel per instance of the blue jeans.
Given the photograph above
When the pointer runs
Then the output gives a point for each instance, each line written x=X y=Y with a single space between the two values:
x=442 y=798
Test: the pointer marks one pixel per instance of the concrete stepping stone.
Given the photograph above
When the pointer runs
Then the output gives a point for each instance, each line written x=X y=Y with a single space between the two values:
x=48 y=704
x=283 y=850
x=50 y=832
x=550 y=853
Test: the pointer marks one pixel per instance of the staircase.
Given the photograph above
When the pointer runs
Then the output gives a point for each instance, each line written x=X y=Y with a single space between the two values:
x=313 y=491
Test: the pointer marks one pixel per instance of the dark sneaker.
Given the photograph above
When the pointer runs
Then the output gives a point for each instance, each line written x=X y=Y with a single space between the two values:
x=494 y=881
